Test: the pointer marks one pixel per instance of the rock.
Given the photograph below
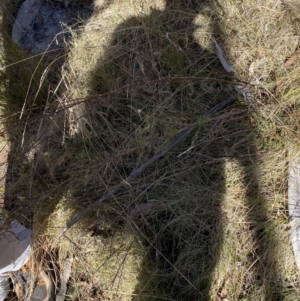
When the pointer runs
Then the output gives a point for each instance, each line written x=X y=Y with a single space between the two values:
x=42 y=25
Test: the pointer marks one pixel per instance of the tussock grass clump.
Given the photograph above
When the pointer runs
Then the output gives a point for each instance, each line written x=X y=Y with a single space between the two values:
x=138 y=74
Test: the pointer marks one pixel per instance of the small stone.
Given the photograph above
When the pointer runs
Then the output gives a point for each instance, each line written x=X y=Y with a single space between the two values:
x=43 y=25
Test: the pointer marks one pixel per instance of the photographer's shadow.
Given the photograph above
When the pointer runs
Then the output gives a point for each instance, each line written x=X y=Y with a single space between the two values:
x=149 y=82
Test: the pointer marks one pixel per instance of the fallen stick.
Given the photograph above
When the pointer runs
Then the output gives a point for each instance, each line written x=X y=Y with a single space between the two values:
x=137 y=172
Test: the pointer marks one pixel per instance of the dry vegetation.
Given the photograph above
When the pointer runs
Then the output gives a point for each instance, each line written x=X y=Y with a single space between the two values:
x=136 y=75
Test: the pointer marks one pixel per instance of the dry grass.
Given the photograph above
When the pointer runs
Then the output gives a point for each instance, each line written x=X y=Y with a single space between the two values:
x=135 y=76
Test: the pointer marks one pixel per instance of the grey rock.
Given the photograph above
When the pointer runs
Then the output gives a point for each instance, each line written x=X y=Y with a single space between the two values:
x=42 y=25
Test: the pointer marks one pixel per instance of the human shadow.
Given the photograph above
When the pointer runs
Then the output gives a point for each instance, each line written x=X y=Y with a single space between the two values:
x=151 y=74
